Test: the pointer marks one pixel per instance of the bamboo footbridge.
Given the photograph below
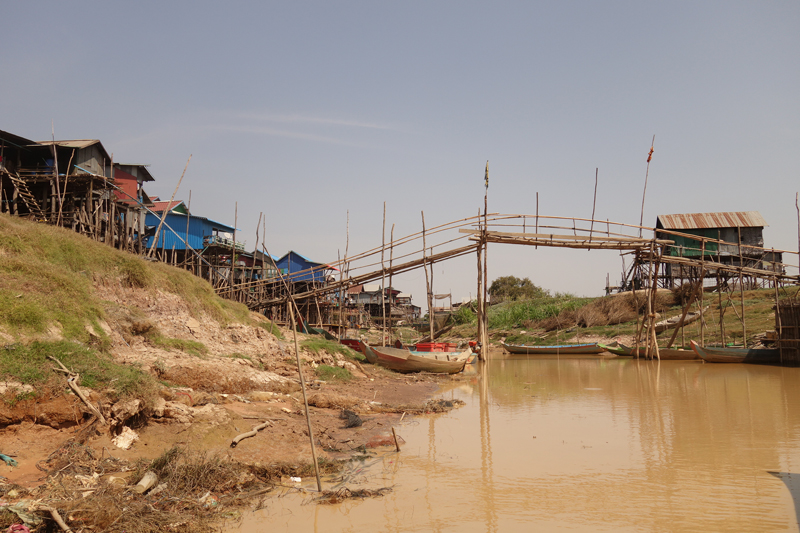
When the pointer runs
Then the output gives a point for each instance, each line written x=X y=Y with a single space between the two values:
x=648 y=246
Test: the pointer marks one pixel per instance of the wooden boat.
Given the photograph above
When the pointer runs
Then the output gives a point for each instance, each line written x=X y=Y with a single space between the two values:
x=764 y=356
x=616 y=349
x=675 y=321
x=563 y=349
x=353 y=344
x=371 y=356
x=406 y=361
x=665 y=354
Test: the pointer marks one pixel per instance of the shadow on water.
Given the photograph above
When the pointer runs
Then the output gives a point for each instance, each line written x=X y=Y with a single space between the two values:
x=792 y=482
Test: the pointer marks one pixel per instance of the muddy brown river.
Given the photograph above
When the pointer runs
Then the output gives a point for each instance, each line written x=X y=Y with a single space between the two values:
x=581 y=444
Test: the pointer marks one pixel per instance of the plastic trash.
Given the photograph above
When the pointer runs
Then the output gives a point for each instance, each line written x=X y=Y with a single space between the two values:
x=8 y=460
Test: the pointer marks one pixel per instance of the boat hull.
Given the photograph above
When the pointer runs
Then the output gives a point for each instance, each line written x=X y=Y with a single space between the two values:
x=762 y=356
x=406 y=361
x=566 y=349
x=665 y=354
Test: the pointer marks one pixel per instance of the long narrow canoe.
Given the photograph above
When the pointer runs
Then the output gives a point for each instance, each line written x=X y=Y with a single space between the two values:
x=563 y=349
x=764 y=356
x=406 y=361
x=665 y=354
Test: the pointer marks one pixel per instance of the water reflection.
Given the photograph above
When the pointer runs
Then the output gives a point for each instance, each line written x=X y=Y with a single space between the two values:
x=587 y=444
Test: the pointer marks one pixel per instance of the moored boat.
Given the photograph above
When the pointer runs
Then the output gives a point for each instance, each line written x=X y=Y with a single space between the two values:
x=563 y=349
x=406 y=361
x=664 y=354
x=616 y=349
x=764 y=356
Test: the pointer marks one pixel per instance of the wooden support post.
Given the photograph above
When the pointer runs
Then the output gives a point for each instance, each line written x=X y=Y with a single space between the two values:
x=702 y=277
x=778 y=324
x=741 y=287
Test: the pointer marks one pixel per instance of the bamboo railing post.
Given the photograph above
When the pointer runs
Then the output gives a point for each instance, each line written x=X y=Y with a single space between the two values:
x=479 y=296
x=486 y=260
x=391 y=256
x=537 y=217
x=427 y=282
x=383 y=278
x=594 y=203
x=644 y=192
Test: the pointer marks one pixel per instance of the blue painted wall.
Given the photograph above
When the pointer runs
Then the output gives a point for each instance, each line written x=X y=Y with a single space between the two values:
x=293 y=262
x=198 y=228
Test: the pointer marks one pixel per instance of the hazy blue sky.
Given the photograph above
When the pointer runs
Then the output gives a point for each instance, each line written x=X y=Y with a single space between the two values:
x=304 y=110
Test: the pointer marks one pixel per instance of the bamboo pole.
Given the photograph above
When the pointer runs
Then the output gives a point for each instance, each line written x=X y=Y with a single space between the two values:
x=486 y=259
x=391 y=254
x=594 y=203
x=778 y=324
x=305 y=398
x=741 y=288
x=646 y=175
x=383 y=277
x=702 y=277
x=164 y=214
x=427 y=282
x=66 y=181
x=479 y=299
x=189 y=214
x=55 y=169
x=233 y=250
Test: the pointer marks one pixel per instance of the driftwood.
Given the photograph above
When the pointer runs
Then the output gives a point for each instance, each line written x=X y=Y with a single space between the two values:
x=251 y=433
x=72 y=382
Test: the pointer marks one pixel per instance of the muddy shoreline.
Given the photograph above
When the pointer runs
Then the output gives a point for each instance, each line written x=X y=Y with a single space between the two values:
x=202 y=424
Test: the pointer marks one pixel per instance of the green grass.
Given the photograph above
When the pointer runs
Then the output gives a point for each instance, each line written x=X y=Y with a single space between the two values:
x=237 y=355
x=196 y=348
x=48 y=274
x=271 y=327
x=333 y=373
x=514 y=314
x=316 y=345
x=29 y=364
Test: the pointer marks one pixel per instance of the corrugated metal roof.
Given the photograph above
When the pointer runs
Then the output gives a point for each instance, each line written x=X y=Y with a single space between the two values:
x=734 y=219
x=158 y=207
x=75 y=143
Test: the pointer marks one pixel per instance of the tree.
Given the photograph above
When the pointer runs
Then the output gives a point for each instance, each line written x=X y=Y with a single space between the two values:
x=513 y=288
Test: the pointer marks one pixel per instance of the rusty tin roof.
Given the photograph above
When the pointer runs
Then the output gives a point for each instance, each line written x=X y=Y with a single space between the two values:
x=734 y=219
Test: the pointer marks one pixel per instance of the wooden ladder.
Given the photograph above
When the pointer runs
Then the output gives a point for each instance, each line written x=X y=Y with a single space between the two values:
x=27 y=197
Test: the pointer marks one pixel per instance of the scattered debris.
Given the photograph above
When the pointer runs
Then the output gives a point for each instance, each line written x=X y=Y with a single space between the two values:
x=338 y=496
x=251 y=433
x=352 y=419
x=126 y=438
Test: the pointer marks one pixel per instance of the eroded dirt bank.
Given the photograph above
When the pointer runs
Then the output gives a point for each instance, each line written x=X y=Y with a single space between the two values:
x=246 y=377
